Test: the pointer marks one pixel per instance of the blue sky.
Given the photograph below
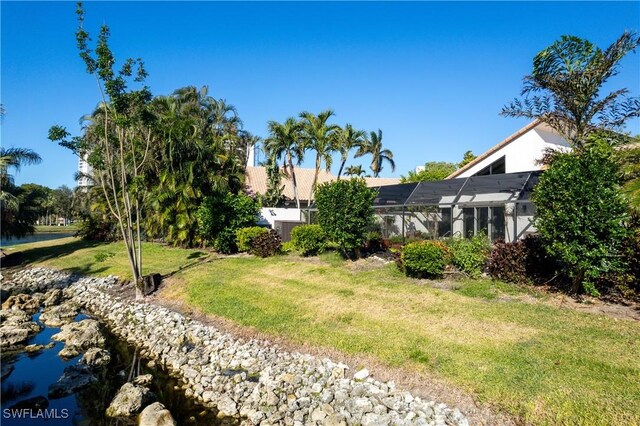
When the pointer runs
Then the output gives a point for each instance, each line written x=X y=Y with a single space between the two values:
x=432 y=76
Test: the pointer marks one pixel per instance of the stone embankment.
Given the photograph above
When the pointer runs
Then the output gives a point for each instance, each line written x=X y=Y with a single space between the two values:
x=246 y=382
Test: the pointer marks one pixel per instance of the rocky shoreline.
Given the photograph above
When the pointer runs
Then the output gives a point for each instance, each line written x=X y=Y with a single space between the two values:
x=246 y=382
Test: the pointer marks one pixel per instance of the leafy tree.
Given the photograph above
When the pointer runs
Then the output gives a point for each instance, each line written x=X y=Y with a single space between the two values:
x=433 y=170
x=319 y=136
x=118 y=141
x=581 y=212
x=564 y=88
x=629 y=159
x=356 y=171
x=15 y=220
x=373 y=146
x=466 y=159
x=345 y=212
x=198 y=151
x=63 y=202
x=285 y=141
x=347 y=139
x=222 y=214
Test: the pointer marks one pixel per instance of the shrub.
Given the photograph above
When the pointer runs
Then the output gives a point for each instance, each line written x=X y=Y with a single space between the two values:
x=581 y=212
x=374 y=243
x=469 y=255
x=345 y=212
x=508 y=262
x=225 y=242
x=424 y=259
x=541 y=267
x=309 y=239
x=266 y=244
x=288 y=247
x=95 y=228
x=244 y=236
x=225 y=212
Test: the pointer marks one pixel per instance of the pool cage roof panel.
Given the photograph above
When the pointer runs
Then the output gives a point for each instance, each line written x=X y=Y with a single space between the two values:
x=506 y=186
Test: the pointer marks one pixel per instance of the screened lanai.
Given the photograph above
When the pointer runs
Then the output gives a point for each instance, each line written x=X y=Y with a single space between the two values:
x=498 y=206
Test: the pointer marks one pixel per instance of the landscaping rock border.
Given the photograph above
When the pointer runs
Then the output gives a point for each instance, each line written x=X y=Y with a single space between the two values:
x=246 y=382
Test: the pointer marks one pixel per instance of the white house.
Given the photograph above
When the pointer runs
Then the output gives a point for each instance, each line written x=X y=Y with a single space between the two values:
x=520 y=152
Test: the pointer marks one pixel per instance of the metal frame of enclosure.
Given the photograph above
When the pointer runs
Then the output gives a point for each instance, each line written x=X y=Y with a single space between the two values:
x=497 y=205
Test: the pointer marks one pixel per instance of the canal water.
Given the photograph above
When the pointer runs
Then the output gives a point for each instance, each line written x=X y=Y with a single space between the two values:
x=32 y=373
x=33 y=238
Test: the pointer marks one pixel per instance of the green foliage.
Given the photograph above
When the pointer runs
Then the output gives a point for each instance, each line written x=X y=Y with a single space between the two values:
x=433 y=170
x=225 y=242
x=379 y=155
x=564 y=88
x=19 y=206
x=97 y=228
x=468 y=157
x=424 y=259
x=267 y=244
x=581 y=212
x=274 y=196
x=345 y=212
x=374 y=242
x=244 y=236
x=508 y=262
x=469 y=255
x=309 y=239
x=225 y=213
x=103 y=256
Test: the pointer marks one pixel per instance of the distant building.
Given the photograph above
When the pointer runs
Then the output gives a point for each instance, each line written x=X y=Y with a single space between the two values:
x=84 y=169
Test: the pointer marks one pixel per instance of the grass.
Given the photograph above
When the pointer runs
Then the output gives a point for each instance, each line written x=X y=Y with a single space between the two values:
x=543 y=364
x=53 y=228
x=101 y=259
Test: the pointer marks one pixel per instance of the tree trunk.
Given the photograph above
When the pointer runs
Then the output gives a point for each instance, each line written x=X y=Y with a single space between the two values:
x=344 y=160
x=295 y=184
x=315 y=180
x=576 y=285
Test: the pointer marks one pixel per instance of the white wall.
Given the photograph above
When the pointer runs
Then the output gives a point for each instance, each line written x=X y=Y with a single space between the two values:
x=269 y=215
x=522 y=154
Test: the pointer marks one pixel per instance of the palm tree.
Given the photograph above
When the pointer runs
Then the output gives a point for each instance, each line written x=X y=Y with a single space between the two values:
x=373 y=146
x=354 y=171
x=285 y=140
x=347 y=139
x=570 y=74
x=12 y=222
x=319 y=136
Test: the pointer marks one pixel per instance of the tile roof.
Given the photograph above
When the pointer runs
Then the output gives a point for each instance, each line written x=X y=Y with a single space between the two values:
x=256 y=181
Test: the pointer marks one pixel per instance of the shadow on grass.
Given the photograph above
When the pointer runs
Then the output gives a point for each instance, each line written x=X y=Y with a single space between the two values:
x=41 y=254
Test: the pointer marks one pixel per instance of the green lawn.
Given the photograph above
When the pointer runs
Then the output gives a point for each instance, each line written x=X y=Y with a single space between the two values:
x=543 y=364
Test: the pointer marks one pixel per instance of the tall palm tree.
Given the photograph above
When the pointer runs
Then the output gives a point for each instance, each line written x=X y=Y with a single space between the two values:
x=373 y=146
x=354 y=171
x=285 y=141
x=347 y=139
x=16 y=158
x=569 y=75
x=319 y=136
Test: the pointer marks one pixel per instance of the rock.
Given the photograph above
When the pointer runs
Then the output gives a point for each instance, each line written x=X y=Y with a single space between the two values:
x=156 y=415
x=372 y=419
x=95 y=358
x=143 y=380
x=34 y=404
x=21 y=302
x=361 y=375
x=79 y=336
x=74 y=378
x=56 y=316
x=150 y=283
x=16 y=328
x=37 y=348
x=129 y=401
x=227 y=407
x=53 y=297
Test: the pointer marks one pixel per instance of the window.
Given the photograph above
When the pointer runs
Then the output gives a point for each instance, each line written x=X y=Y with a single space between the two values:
x=496 y=168
x=444 y=226
x=468 y=222
x=497 y=223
